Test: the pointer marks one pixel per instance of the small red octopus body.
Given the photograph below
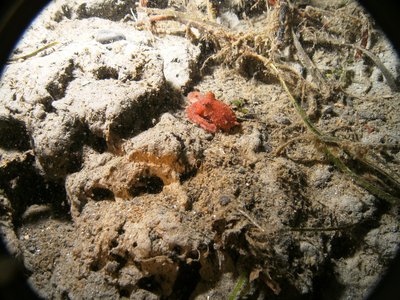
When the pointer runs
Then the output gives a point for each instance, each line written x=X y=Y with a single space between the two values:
x=210 y=113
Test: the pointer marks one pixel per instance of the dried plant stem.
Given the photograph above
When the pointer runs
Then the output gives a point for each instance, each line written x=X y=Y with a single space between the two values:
x=23 y=57
x=337 y=228
x=250 y=219
x=309 y=64
x=241 y=282
x=358 y=179
x=386 y=73
x=279 y=150
x=219 y=33
x=334 y=159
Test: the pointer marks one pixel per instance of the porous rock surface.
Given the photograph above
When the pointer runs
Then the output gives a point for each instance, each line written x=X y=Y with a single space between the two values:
x=107 y=190
x=87 y=90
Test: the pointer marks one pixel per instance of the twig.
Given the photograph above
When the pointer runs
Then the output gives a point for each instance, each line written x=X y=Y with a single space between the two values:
x=283 y=11
x=202 y=25
x=386 y=73
x=23 y=57
x=283 y=146
x=334 y=159
x=360 y=181
x=309 y=64
x=303 y=229
x=133 y=15
x=250 y=219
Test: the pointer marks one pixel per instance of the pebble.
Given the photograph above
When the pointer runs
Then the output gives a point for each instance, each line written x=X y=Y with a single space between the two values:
x=224 y=200
x=370 y=115
x=242 y=170
x=321 y=176
x=228 y=19
x=35 y=211
x=282 y=120
x=109 y=36
x=328 y=110
x=178 y=56
x=112 y=267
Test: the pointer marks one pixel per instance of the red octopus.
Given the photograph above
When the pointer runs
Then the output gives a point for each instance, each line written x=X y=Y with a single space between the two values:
x=210 y=113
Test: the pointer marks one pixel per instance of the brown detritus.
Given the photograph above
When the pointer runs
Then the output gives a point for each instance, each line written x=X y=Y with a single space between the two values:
x=283 y=17
x=238 y=46
x=310 y=66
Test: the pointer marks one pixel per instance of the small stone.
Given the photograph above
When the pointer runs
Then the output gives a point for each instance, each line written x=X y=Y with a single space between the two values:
x=112 y=267
x=228 y=19
x=36 y=211
x=178 y=56
x=109 y=36
x=328 y=110
x=370 y=115
x=321 y=176
x=224 y=200
x=242 y=170
x=282 y=120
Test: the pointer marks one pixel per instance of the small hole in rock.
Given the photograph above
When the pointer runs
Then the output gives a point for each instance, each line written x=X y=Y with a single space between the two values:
x=106 y=72
x=64 y=295
x=114 y=243
x=342 y=247
x=125 y=293
x=13 y=134
x=99 y=194
x=194 y=254
x=94 y=266
x=177 y=250
x=187 y=280
x=149 y=185
x=149 y=284
x=121 y=260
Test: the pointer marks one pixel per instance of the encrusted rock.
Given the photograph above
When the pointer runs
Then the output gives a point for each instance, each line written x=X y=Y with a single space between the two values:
x=151 y=160
x=111 y=91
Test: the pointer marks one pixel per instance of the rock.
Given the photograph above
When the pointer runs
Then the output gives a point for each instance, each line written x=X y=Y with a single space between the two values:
x=352 y=210
x=110 y=91
x=224 y=200
x=108 y=36
x=180 y=58
x=321 y=176
x=386 y=238
x=312 y=255
x=155 y=158
x=7 y=233
x=228 y=19
x=251 y=144
x=106 y=9
x=137 y=233
x=58 y=140
x=361 y=271
x=281 y=119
